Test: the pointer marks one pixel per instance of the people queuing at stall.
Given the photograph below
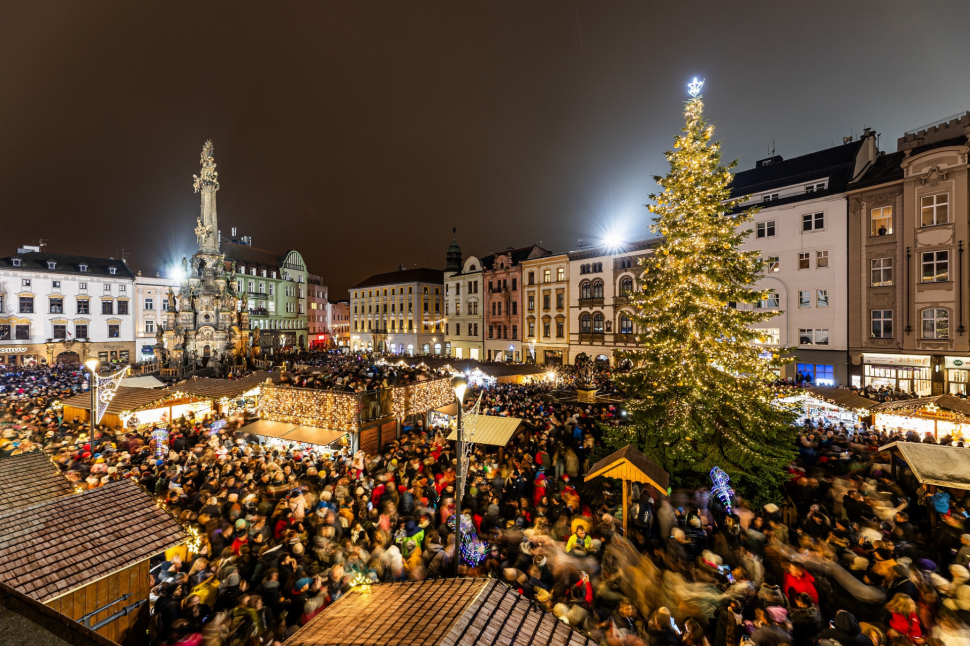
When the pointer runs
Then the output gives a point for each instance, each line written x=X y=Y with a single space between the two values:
x=848 y=554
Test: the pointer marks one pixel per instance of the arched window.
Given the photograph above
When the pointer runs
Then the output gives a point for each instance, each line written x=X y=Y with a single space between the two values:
x=585 y=290
x=598 y=289
x=586 y=323
x=626 y=286
x=626 y=324
x=597 y=323
x=936 y=324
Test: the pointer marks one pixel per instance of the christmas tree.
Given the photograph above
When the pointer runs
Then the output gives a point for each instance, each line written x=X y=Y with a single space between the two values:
x=700 y=393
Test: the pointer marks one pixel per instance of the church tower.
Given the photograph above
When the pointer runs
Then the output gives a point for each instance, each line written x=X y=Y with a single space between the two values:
x=453 y=257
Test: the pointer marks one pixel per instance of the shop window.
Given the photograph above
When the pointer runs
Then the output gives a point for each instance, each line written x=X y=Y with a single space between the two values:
x=817 y=373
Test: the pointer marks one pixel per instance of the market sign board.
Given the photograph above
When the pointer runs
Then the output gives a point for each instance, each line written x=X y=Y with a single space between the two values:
x=897 y=360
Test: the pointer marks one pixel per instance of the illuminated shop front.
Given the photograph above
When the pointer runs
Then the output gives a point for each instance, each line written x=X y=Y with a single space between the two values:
x=957 y=375
x=912 y=373
x=937 y=416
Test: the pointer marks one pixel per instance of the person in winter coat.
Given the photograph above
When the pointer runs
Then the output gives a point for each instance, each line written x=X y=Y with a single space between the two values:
x=806 y=620
x=846 y=631
x=798 y=580
x=730 y=624
x=579 y=541
x=903 y=619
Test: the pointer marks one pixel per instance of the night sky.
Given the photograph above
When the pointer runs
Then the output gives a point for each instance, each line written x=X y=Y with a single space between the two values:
x=359 y=133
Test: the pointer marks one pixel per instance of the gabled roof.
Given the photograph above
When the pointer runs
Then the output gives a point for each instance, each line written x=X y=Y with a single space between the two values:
x=52 y=547
x=126 y=398
x=442 y=612
x=629 y=464
x=832 y=163
x=842 y=397
x=219 y=388
x=494 y=430
x=28 y=479
x=420 y=275
x=67 y=264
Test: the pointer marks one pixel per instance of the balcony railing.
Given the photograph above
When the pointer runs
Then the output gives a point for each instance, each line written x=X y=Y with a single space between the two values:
x=591 y=302
x=595 y=337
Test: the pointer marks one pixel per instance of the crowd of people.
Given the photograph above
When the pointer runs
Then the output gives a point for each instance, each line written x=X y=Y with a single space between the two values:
x=850 y=556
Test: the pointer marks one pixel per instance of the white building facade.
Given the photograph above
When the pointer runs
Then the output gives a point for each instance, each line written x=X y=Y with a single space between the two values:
x=151 y=307
x=400 y=312
x=58 y=308
x=801 y=232
x=464 y=296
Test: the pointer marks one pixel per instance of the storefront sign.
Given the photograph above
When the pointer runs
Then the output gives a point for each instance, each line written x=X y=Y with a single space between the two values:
x=12 y=350
x=958 y=362
x=897 y=360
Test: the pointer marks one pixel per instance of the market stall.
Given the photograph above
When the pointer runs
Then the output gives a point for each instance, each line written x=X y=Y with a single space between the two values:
x=139 y=407
x=938 y=416
x=932 y=464
x=831 y=405
x=287 y=434
x=229 y=396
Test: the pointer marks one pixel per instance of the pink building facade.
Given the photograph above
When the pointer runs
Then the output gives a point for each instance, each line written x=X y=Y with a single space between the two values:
x=502 y=279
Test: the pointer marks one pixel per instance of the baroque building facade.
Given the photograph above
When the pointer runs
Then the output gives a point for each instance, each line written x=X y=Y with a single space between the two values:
x=463 y=305
x=400 y=312
x=502 y=278
x=60 y=308
x=205 y=324
x=151 y=311
x=909 y=223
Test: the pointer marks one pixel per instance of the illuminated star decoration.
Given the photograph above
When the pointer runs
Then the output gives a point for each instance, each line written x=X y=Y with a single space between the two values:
x=722 y=487
x=695 y=88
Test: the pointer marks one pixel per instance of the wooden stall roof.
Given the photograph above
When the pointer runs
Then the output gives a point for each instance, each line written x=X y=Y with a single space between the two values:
x=629 y=464
x=37 y=624
x=53 y=547
x=219 y=388
x=443 y=612
x=842 y=398
x=935 y=464
x=142 y=381
x=494 y=430
x=126 y=399
x=492 y=368
x=449 y=409
x=28 y=479
x=946 y=402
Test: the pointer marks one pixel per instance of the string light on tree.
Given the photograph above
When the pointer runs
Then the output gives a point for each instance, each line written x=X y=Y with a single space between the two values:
x=699 y=393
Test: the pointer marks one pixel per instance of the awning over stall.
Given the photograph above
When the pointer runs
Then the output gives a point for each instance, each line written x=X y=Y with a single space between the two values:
x=842 y=398
x=266 y=428
x=450 y=409
x=935 y=464
x=488 y=429
x=313 y=435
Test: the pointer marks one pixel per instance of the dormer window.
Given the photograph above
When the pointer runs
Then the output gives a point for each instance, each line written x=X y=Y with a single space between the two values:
x=82 y=267
x=112 y=270
x=15 y=261
x=51 y=264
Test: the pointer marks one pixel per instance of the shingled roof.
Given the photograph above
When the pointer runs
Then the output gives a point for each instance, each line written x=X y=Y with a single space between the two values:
x=420 y=275
x=51 y=548
x=219 y=388
x=126 y=399
x=443 y=612
x=28 y=479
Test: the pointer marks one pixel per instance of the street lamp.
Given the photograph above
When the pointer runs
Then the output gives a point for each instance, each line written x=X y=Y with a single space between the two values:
x=92 y=366
x=460 y=385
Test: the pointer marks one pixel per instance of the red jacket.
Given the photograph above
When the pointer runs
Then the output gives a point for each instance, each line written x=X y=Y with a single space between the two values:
x=805 y=583
x=908 y=626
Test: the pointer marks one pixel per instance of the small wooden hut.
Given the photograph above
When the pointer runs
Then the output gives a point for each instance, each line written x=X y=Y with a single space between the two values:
x=629 y=465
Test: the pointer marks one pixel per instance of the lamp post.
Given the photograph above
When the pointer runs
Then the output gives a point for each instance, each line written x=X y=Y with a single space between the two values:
x=92 y=366
x=459 y=384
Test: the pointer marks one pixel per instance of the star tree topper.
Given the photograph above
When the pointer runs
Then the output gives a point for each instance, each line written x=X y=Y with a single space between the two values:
x=695 y=88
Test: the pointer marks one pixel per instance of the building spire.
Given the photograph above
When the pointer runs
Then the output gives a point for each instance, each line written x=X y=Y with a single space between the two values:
x=207 y=183
x=453 y=257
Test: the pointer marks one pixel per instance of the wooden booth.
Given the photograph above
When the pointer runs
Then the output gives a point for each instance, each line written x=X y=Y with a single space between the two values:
x=86 y=555
x=938 y=416
x=932 y=464
x=629 y=465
